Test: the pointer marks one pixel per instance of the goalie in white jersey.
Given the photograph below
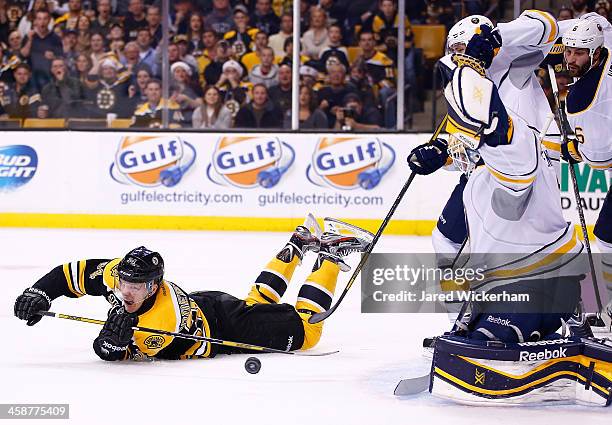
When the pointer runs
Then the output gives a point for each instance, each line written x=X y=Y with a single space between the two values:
x=589 y=114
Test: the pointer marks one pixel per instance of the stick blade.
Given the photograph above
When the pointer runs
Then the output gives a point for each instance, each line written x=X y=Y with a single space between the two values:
x=319 y=317
x=411 y=386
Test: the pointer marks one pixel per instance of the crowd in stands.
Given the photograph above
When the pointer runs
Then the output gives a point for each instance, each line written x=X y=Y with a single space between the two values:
x=230 y=61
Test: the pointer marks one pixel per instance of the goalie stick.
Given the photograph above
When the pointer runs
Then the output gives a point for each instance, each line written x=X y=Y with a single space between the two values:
x=191 y=337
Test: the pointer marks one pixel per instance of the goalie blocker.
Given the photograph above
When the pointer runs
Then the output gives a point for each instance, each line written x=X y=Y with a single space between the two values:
x=557 y=371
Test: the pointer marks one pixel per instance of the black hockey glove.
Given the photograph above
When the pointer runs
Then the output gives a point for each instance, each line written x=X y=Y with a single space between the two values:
x=428 y=157
x=570 y=153
x=28 y=304
x=482 y=46
x=116 y=335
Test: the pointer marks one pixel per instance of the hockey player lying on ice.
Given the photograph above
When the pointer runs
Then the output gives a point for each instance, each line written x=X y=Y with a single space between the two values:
x=511 y=354
x=139 y=294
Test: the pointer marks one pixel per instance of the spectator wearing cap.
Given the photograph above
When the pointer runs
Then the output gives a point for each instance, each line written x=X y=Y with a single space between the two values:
x=281 y=92
x=316 y=39
x=135 y=19
x=146 y=53
x=63 y=94
x=354 y=116
x=264 y=18
x=334 y=51
x=260 y=112
x=69 y=46
x=104 y=20
x=241 y=38
x=182 y=43
x=21 y=99
x=251 y=59
x=154 y=23
x=214 y=69
x=184 y=92
x=220 y=19
x=231 y=85
x=311 y=117
x=69 y=19
x=277 y=41
x=309 y=76
x=83 y=34
x=97 y=51
x=109 y=94
x=212 y=114
x=332 y=95
x=41 y=47
x=26 y=23
x=149 y=114
x=266 y=72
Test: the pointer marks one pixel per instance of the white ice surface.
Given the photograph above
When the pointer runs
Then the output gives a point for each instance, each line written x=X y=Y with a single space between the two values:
x=53 y=362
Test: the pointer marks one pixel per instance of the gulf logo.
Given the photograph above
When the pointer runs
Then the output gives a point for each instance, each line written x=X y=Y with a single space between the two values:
x=152 y=160
x=350 y=162
x=247 y=162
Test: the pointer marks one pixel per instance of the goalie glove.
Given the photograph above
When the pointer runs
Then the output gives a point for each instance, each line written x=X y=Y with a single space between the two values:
x=428 y=157
x=28 y=304
x=483 y=46
x=116 y=335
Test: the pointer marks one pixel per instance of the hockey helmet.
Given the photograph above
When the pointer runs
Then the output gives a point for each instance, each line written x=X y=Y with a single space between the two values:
x=462 y=31
x=586 y=34
x=141 y=265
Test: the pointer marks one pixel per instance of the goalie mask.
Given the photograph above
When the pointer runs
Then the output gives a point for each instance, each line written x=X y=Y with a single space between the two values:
x=461 y=33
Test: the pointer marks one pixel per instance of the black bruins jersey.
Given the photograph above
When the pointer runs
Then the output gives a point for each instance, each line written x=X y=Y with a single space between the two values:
x=170 y=309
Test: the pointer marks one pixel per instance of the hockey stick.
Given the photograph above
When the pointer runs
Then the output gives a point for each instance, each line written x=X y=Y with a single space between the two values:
x=319 y=317
x=191 y=337
x=585 y=234
x=411 y=386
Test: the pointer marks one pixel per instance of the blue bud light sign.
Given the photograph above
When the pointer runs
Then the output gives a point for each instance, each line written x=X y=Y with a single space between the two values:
x=18 y=165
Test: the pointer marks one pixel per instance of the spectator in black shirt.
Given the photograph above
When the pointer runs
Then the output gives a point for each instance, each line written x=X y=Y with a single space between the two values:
x=63 y=95
x=260 y=113
x=264 y=17
x=332 y=95
x=21 y=99
x=102 y=23
x=214 y=69
x=281 y=93
x=42 y=46
x=354 y=116
x=154 y=21
x=135 y=19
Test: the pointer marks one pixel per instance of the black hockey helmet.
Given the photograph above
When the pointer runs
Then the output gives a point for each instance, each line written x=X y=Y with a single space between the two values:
x=141 y=265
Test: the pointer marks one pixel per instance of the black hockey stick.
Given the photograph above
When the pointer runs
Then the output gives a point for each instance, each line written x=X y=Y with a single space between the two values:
x=319 y=317
x=191 y=337
x=562 y=126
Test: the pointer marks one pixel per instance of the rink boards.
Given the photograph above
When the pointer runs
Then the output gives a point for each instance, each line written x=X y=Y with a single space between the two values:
x=214 y=181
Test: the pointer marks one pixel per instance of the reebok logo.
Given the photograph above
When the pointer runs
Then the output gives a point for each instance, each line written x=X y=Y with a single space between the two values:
x=289 y=343
x=112 y=347
x=498 y=321
x=526 y=356
x=544 y=342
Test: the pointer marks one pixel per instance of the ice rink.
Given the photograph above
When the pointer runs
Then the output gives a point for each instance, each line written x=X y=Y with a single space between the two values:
x=53 y=362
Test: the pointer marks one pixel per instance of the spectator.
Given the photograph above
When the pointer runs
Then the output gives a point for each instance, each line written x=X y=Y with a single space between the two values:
x=579 y=7
x=385 y=24
x=27 y=21
x=308 y=77
x=208 y=52
x=149 y=114
x=41 y=46
x=212 y=114
x=146 y=52
x=183 y=91
x=332 y=95
x=10 y=57
x=110 y=93
x=266 y=72
x=316 y=39
x=214 y=69
x=241 y=38
x=264 y=18
x=97 y=51
x=103 y=22
x=311 y=117
x=131 y=56
x=357 y=13
x=353 y=116
x=69 y=46
x=602 y=7
x=334 y=10
x=281 y=93
x=230 y=85
x=288 y=58
x=21 y=99
x=379 y=66
x=154 y=23
x=183 y=47
x=83 y=34
x=135 y=19
x=251 y=59
x=136 y=91
x=260 y=113
x=440 y=12
x=194 y=33
x=82 y=67
x=334 y=50
x=565 y=13
x=220 y=19
x=63 y=95
x=277 y=41
x=182 y=11
x=359 y=83
x=69 y=20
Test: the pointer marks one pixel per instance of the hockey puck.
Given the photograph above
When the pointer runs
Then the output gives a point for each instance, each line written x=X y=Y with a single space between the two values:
x=252 y=365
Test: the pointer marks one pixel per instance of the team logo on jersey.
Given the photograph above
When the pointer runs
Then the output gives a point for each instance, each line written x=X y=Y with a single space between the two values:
x=350 y=162
x=154 y=342
x=479 y=377
x=152 y=161
x=18 y=164
x=249 y=162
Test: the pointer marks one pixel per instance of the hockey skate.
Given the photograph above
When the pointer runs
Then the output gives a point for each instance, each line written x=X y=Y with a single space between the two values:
x=305 y=238
x=340 y=239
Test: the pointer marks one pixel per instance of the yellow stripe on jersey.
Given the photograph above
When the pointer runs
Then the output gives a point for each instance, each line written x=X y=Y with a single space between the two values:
x=66 y=268
x=550 y=145
x=82 y=276
x=110 y=273
x=552 y=23
x=503 y=178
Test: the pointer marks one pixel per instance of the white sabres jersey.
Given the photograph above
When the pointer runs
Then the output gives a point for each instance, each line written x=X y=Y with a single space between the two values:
x=526 y=42
x=513 y=207
x=589 y=113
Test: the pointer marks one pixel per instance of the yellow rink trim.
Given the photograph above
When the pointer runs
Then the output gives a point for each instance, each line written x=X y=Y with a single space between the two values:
x=257 y=224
